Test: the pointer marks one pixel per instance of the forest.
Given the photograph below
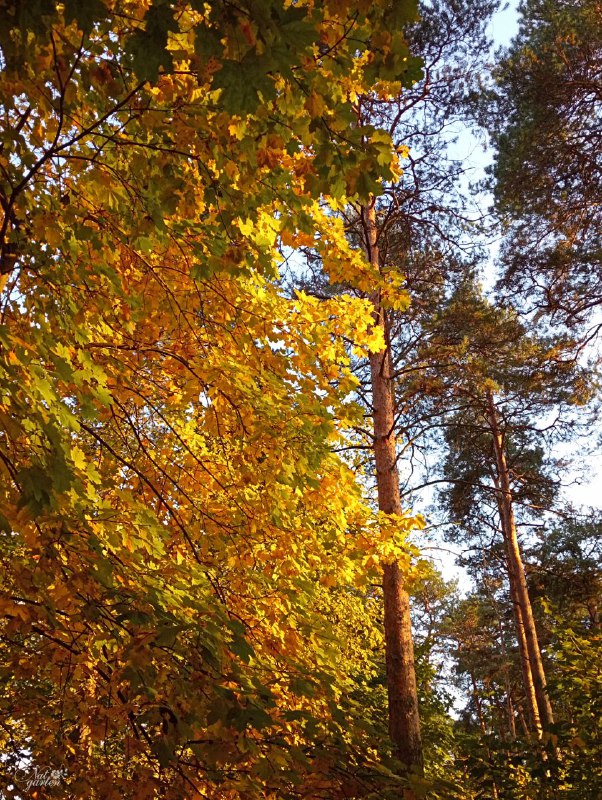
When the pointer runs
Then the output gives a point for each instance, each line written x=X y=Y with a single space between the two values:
x=300 y=325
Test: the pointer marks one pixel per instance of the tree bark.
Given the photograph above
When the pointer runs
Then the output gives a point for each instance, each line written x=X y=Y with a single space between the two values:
x=483 y=727
x=518 y=583
x=510 y=712
x=478 y=705
x=523 y=650
x=509 y=702
x=404 y=722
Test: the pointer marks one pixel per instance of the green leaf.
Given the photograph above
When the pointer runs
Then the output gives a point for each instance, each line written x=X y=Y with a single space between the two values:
x=241 y=83
x=241 y=647
x=366 y=185
x=148 y=46
x=167 y=636
x=86 y=13
x=207 y=43
x=164 y=752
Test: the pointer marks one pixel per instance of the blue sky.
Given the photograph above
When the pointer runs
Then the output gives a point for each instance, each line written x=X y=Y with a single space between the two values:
x=505 y=24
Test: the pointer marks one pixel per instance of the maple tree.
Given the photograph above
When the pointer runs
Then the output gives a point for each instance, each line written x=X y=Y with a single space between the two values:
x=171 y=505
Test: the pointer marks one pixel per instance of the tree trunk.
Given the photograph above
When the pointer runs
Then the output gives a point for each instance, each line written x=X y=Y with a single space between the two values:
x=483 y=727
x=523 y=722
x=510 y=712
x=478 y=705
x=518 y=582
x=523 y=649
x=404 y=722
x=509 y=702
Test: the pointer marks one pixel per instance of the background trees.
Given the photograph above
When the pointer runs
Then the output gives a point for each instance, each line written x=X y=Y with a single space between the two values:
x=548 y=110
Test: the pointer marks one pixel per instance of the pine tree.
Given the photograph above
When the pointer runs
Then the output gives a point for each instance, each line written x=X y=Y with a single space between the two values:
x=501 y=378
x=545 y=122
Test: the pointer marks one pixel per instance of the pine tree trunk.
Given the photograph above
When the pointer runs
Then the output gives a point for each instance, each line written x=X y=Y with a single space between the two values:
x=509 y=702
x=483 y=727
x=479 y=705
x=523 y=649
x=404 y=722
x=518 y=581
x=510 y=712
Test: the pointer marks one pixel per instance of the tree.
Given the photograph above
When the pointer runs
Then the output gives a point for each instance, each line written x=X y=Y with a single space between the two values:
x=404 y=720
x=563 y=571
x=545 y=122
x=443 y=39
x=568 y=567
x=499 y=378
x=171 y=504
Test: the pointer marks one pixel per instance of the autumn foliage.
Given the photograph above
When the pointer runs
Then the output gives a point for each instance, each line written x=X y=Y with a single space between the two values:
x=172 y=510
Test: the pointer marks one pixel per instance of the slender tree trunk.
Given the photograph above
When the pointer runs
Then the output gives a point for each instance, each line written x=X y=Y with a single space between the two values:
x=478 y=704
x=404 y=722
x=523 y=722
x=521 y=599
x=483 y=727
x=523 y=650
x=509 y=703
x=510 y=710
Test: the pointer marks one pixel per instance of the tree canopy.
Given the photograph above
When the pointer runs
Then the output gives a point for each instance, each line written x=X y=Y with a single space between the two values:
x=547 y=169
